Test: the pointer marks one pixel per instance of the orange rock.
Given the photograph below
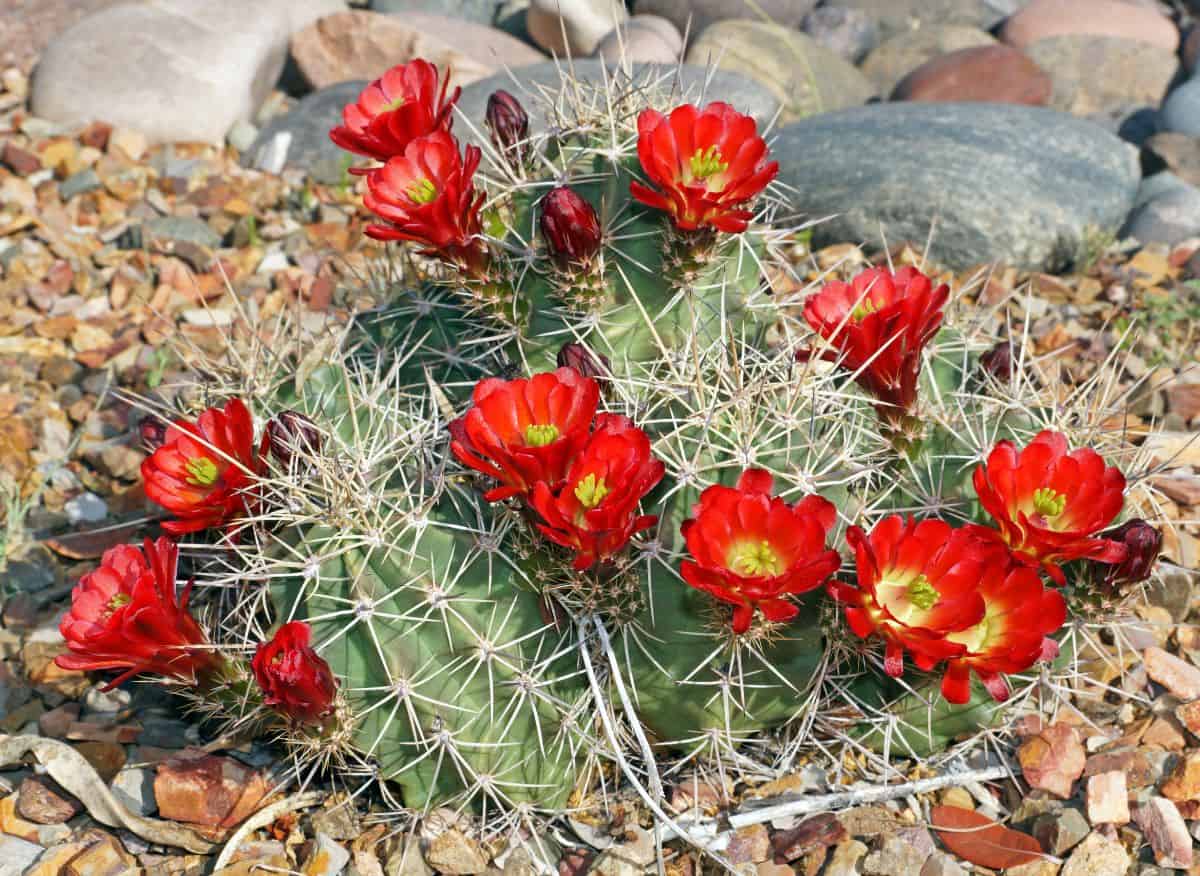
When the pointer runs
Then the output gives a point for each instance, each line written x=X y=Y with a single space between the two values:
x=208 y=790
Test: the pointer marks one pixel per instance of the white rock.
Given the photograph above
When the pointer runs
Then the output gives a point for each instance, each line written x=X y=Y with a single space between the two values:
x=649 y=38
x=16 y=854
x=583 y=22
x=176 y=70
x=86 y=508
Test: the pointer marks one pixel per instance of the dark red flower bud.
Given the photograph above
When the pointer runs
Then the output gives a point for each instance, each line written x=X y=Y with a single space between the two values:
x=998 y=361
x=570 y=226
x=290 y=433
x=594 y=365
x=1143 y=544
x=509 y=124
x=294 y=679
x=153 y=432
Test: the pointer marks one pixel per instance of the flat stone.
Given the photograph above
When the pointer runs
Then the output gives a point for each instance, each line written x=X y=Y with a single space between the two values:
x=901 y=17
x=106 y=758
x=1178 y=676
x=42 y=801
x=177 y=229
x=695 y=16
x=1095 y=856
x=804 y=76
x=1000 y=74
x=79 y=183
x=895 y=58
x=174 y=69
x=17 y=854
x=941 y=864
x=1040 y=19
x=1022 y=185
x=1108 y=798
x=208 y=790
x=1095 y=74
x=1061 y=831
x=134 y=787
x=357 y=45
x=1165 y=830
x=453 y=853
x=894 y=857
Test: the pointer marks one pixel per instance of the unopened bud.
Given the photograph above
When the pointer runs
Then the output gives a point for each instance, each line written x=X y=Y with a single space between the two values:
x=290 y=433
x=152 y=432
x=1143 y=544
x=998 y=361
x=509 y=124
x=570 y=226
x=587 y=363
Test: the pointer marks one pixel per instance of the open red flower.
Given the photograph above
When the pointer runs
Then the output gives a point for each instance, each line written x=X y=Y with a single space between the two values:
x=918 y=583
x=521 y=431
x=595 y=513
x=1019 y=616
x=752 y=550
x=877 y=325
x=125 y=615
x=427 y=195
x=707 y=164
x=1049 y=502
x=204 y=471
x=403 y=104
x=294 y=678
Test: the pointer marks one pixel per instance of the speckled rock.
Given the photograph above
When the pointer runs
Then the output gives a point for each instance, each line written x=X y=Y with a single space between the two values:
x=850 y=33
x=1020 y=184
x=895 y=58
x=1098 y=73
x=805 y=77
x=910 y=16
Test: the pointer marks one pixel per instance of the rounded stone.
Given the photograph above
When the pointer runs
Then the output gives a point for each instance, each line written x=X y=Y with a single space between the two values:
x=1000 y=74
x=174 y=70
x=572 y=27
x=1191 y=49
x=695 y=84
x=805 y=77
x=1095 y=74
x=478 y=11
x=364 y=45
x=646 y=38
x=850 y=33
x=1180 y=112
x=1022 y=185
x=1042 y=19
x=910 y=16
x=1167 y=211
x=895 y=58
x=695 y=16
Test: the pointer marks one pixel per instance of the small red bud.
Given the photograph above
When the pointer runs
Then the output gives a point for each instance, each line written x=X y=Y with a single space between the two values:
x=1143 y=544
x=998 y=361
x=570 y=226
x=509 y=124
x=594 y=365
x=294 y=679
x=153 y=432
x=291 y=432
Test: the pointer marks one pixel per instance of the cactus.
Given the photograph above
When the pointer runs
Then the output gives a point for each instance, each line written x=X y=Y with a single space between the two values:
x=477 y=668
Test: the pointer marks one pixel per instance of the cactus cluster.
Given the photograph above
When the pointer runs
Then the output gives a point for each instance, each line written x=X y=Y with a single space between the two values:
x=479 y=663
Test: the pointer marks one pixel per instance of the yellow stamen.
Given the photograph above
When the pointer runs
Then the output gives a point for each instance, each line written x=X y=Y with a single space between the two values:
x=754 y=559
x=864 y=309
x=1048 y=503
x=202 y=471
x=590 y=491
x=394 y=105
x=540 y=435
x=119 y=600
x=423 y=191
x=922 y=594
x=707 y=162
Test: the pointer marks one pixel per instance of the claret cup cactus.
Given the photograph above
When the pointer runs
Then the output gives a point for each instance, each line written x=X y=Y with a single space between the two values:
x=588 y=502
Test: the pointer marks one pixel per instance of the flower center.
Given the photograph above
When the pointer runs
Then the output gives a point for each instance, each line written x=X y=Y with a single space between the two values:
x=707 y=162
x=202 y=471
x=864 y=309
x=590 y=491
x=396 y=103
x=754 y=559
x=922 y=594
x=539 y=435
x=423 y=191
x=118 y=601
x=1048 y=503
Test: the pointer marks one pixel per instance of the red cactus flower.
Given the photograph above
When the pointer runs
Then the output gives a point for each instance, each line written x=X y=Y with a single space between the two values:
x=295 y=680
x=917 y=584
x=595 y=512
x=1019 y=616
x=1049 y=502
x=752 y=549
x=203 y=471
x=570 y=227
x=876 y=327
x=707 y=164
x=125 y=615
x=403 y=104
x=521 y=431
x=427 y=195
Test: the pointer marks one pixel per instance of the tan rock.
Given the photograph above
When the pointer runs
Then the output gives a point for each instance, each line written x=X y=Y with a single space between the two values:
x=453 y=853
x=1184 y=781
x=1108 y=799
x=1050 y=18
x=1177 y=676
x=1053 y=760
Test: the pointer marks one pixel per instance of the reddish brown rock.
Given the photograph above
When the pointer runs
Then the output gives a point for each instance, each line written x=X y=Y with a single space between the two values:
x=995 y=74
x=1165 y=830
x=1051 y=18
x=1178 y=676
x=1053 y=760
x=1189 y=716
x=363 y=45
x=1184 y=781
x=1108 y=799
x=1166 y=733
x=1134 y=764
x=20 y=161
x=42 y=801
x=816 y=832
x=206 y=789
x=106 y=758
x=750 y=845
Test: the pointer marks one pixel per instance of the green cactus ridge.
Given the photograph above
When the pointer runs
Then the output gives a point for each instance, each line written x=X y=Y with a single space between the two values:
x=473 y=663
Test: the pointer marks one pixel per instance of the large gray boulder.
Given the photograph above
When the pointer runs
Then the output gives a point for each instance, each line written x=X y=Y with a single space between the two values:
x=1018 y=184
x=300 y=137
x=176 y=70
